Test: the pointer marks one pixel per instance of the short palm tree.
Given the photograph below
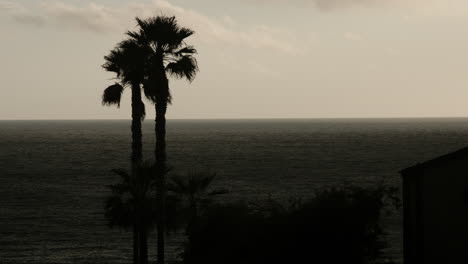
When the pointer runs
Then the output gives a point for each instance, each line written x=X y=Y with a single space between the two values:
x=132 y=205
x=195 y=191
x=162 y=40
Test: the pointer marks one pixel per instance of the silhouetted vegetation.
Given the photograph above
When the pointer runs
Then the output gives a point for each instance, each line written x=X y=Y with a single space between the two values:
x=192 y=193
x=161 y=40
x=338 y=225
x=143 y=60
x=195 y=190
x=126 y=61
x=132 y=205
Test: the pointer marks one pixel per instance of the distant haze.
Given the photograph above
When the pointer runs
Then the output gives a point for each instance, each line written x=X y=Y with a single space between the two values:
x=257 y=58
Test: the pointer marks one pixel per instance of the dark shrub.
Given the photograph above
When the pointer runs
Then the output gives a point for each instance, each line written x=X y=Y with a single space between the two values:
x=338 y=225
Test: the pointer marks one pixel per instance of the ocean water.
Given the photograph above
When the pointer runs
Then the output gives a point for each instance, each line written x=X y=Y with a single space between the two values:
x=53 y=174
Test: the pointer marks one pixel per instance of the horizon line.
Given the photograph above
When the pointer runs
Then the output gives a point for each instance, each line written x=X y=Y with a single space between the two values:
x=251 y=118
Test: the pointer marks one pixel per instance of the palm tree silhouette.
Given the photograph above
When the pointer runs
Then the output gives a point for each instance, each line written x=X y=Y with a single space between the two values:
x=162 y=39
x=126 y=61
x=195 y=190
x=132 y=204
x=194 y=193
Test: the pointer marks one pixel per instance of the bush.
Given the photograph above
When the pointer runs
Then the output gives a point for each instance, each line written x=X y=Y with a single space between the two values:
x=338 y=225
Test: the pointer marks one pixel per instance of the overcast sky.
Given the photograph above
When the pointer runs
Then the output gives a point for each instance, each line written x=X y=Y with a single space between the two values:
x=257 y=58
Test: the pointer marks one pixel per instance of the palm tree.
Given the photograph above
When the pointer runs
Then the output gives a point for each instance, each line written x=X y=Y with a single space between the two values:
x=162 y=40
x=195 y=191
x=125 y=61
x=132 y=204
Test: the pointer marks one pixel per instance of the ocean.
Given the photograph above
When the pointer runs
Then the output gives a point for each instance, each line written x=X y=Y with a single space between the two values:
x=53 y=174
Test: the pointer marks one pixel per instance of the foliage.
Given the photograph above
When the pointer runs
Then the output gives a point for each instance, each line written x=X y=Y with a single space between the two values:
x=112 y=95
x=194 y=190
x=162 y=40
x=132 y=199
x=189 y=195
x=339 y=225
x=143 y=60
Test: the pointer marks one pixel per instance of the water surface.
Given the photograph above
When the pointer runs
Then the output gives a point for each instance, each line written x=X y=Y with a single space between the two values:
x=53 y=173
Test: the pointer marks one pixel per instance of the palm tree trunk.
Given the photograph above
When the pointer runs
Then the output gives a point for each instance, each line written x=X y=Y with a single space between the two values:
x=136 y=156
x=160 y=156
x=143 y=247
x=137 y=114
x=136 y=255
x=160 y=129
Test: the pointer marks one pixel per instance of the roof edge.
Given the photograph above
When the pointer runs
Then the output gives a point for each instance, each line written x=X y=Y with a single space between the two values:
x=431 y=162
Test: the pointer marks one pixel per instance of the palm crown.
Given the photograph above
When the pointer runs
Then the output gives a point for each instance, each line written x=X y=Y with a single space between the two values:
x=195 y=189
x=155 y=49
x=127 y=62
x=166 y=52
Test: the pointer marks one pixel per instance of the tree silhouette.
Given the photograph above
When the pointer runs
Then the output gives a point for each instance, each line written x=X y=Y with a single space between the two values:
x=195 y=191
x=126 y=61
x=162 y=40
x=132 y=204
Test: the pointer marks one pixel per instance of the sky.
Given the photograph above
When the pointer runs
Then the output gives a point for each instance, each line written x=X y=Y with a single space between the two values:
x=257 y=58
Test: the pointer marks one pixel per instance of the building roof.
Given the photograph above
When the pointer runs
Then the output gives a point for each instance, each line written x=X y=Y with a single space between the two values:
x=461 y=153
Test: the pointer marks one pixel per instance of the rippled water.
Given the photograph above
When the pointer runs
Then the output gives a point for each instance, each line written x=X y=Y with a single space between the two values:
x=53 y=173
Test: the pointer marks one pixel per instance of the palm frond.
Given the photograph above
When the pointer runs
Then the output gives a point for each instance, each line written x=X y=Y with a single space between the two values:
x=119 y=212
x=186 y=50
x=133 y=199
x=143 y=24
x=186 y=67
x=112 y=95
x=163 y=31
x=138 y=37
x=157 y=88
x=205 y=181
x=177 y=185
x=194 y=184
x=121 y=172
x=113 y=62
x=185 y=33
x=127 y=60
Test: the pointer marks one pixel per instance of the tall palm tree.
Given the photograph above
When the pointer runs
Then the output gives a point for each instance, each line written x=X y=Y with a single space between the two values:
x=162 y=39
x=126 y=61
x=132 y=204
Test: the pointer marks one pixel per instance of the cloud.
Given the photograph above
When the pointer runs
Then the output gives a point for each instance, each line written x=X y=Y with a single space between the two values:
x=226 y=31
x=327 y=5
x=423 y=7
x=9 y=6
x=92 y=17
x=20 y=14
x=337 y=4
